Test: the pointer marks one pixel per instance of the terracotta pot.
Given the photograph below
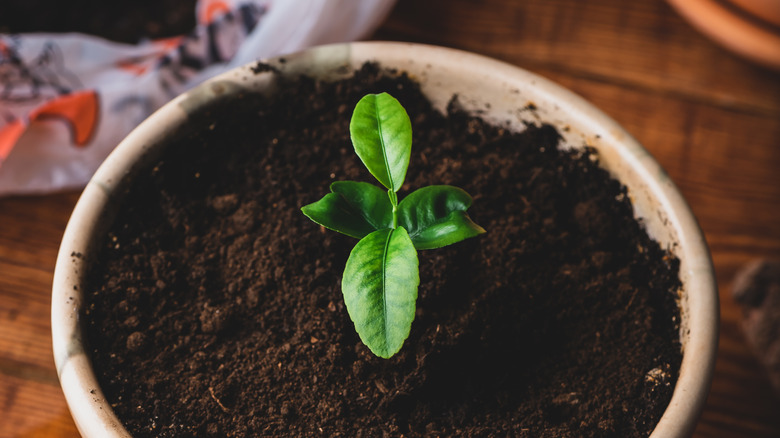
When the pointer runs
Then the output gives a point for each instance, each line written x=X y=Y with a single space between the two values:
x=748 y=28
x=766 y=10
x=442 y=72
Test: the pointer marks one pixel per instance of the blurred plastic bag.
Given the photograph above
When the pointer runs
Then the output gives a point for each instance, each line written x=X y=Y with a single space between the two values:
x=66 y=100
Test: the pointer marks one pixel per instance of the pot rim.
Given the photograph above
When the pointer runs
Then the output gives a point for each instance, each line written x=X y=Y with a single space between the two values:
x=669 y=218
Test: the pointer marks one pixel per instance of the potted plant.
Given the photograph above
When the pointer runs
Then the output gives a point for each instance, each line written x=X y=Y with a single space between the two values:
x=503 y=95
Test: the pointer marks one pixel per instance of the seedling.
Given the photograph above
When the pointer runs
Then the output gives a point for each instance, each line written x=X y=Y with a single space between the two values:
x=382 y=272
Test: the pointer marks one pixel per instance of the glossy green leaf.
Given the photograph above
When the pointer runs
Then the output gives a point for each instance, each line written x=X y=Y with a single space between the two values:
x=353 y=208
x=435 y=216
x=382 y=136
x=369 y=199
x=380 y=289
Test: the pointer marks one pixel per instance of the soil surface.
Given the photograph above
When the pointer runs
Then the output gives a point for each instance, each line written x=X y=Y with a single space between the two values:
x=216 y=308
x=127 y=21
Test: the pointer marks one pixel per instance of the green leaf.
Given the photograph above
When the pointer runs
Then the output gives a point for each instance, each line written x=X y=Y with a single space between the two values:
x=369 y=199
x=353 y=208
x=381 y=133
x=380 y=289
x=435 y=216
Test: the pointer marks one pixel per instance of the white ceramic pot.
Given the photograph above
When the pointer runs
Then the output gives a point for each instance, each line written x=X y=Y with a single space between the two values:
x=477 y=80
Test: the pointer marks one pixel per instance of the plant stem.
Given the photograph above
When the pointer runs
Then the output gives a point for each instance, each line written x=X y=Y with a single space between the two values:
x=394 y=200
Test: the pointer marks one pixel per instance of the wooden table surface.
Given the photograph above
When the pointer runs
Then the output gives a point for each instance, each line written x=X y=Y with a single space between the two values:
x=710 y=118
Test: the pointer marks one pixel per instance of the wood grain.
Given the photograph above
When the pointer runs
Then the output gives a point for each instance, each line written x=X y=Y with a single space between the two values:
x=31 y=401
x=710 y=118
x=644 y=45
x=34 y=409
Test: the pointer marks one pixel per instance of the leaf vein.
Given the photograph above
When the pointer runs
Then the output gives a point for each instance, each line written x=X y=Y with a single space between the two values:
x=384 y=147
x=384 y=285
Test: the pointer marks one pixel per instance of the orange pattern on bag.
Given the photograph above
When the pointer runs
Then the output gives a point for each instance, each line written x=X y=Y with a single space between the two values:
x=212 y=10
x=140 y=65
x=80 y=110
x=8 y=136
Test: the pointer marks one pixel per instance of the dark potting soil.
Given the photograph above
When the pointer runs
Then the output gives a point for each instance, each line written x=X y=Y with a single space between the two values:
x=127 y=21
x=216 y=308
